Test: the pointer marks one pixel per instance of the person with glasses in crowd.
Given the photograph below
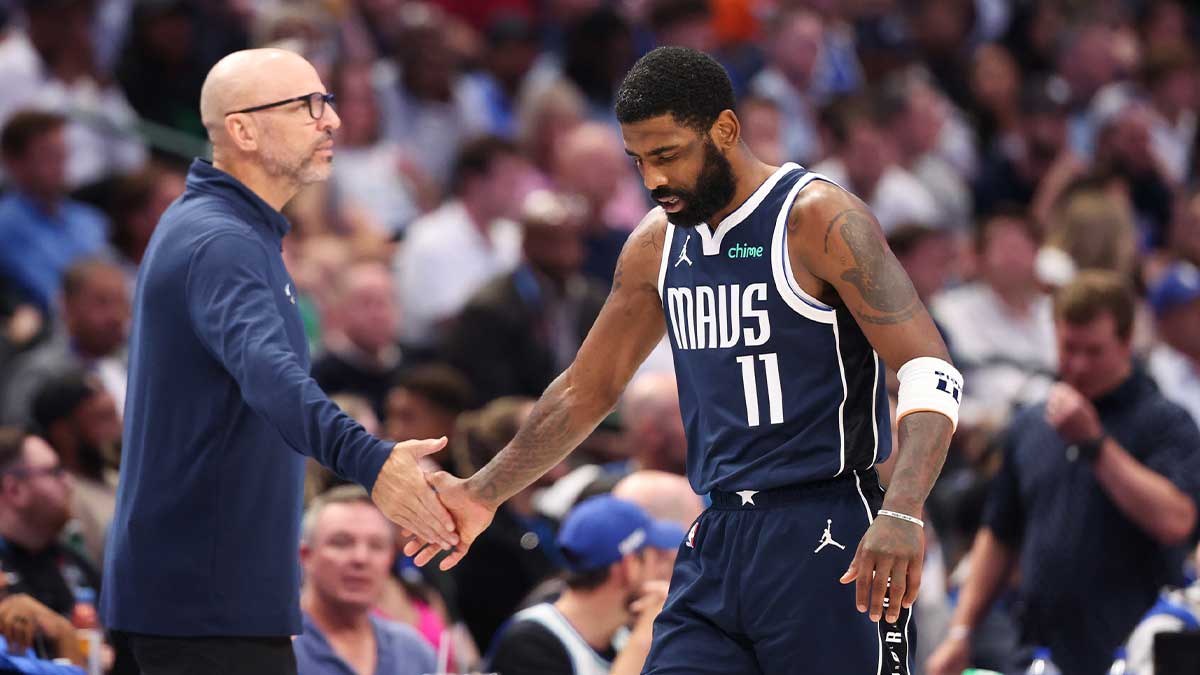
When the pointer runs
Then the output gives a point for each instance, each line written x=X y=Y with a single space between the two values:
x=35 y=499
x=200 y=573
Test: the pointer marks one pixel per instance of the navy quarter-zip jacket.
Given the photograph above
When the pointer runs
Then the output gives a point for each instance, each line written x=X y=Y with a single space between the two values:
x=219 y=415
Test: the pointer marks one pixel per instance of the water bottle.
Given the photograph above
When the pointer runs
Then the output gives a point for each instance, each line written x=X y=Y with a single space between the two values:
x=1042 y=664
x=1120 y=664
x=87 y=628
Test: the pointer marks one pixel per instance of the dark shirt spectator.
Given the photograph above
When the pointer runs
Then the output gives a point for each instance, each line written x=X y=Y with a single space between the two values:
x=522 y=329
x=1097 y=492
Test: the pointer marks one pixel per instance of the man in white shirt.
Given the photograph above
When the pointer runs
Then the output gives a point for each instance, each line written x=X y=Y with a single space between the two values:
x=450 y=253
x=864 y=162
x=1175 y=362
x=1002 y=326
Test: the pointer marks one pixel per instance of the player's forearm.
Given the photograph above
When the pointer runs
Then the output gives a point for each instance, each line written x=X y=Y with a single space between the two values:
x=562 y=418
x=991 y=565
x=1144 y=496
x=924 y=439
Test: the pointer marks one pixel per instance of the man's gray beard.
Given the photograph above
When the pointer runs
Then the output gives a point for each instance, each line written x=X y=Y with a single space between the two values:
x=303 y=172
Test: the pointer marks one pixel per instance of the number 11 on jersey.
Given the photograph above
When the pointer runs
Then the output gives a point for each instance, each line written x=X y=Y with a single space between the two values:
x=750 y=385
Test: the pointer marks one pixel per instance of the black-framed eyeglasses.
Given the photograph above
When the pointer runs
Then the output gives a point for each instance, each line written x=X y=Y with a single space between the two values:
x=316 y=104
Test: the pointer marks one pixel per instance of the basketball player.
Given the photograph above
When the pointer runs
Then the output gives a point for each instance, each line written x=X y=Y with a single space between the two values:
x=782 y=303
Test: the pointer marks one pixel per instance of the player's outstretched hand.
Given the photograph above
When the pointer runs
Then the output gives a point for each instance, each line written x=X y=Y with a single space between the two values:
x=892 y=549
x=403 y=495
x=472 y=514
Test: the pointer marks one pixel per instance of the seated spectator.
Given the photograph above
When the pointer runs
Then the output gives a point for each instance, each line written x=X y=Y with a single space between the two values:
x=362 y=354
x=95 y=325
x=863 y=161
x=51 y=66
x=789 y=80
x=663 y=496
x=42 y=231
x=590 y=168
x=80 y=421
x=426 y=403
x=521 y=330
x=134 y=207
x=1096 y=495
x=654 y=433
x=346 y=549
x=372 y=172
x=35 y=499
x=517 y=550
x=450 y=253
x=609 y=584
x=1001 y=327
x=1174 y=363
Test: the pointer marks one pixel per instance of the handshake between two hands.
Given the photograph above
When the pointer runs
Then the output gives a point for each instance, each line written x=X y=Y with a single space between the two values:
x=436 y=510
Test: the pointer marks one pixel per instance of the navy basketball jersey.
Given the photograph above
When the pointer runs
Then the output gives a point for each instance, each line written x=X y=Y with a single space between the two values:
x=775 y=387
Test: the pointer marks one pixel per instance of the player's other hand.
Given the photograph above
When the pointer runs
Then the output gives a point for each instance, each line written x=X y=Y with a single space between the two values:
x=403 y=495
x=472 y=513
x=892 y=549
x=950 y=658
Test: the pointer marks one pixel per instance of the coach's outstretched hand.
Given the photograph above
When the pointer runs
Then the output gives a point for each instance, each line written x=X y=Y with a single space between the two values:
x=472 y=514
x=891 y=548
x=403 y=495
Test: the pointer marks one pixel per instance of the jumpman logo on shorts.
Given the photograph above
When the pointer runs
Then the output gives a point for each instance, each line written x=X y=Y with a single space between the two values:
x=827 y=538
x=683 y=253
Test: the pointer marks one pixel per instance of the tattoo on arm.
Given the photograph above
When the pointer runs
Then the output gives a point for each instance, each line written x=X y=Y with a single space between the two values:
x=886 y=289
x=555 y=426
x=924 y=439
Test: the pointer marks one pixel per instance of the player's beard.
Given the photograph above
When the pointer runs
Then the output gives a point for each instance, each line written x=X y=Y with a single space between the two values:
x=714 y=190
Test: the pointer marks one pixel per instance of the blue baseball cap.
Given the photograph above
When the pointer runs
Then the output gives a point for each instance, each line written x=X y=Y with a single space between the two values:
x=1179 y=286
x=601 y=530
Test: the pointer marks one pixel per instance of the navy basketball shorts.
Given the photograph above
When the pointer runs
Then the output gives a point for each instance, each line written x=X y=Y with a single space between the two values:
x=755 y=588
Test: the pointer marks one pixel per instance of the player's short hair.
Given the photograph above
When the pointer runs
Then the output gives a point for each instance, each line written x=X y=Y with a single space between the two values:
x=25 y=127
x=1092 y=294
x=687 y=84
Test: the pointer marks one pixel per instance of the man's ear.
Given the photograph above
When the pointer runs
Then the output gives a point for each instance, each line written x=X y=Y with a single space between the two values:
x=242 y=131
x=726 y=131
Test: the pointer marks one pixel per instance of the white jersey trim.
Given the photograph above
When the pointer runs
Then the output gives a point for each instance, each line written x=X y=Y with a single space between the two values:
x=710 y=242
x=666 y=254
x=785 y=283
x=584 y=659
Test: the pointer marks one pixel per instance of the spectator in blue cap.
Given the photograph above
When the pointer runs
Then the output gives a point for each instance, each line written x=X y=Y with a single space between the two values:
x=1175 y=362
x=609 y=584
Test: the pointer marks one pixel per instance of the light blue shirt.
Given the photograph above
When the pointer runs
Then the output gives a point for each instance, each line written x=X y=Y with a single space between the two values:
x=37 y=247
x=29 y=664
x=400 y=650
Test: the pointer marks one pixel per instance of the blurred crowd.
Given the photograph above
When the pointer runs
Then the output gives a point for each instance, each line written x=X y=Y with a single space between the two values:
x=479 y=199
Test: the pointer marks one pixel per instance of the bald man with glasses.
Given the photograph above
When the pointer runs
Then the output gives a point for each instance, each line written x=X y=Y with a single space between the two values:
x=200 y=571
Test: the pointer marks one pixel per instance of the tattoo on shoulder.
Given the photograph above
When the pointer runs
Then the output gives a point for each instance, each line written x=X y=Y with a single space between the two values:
x=617 y=281
x=885 y=287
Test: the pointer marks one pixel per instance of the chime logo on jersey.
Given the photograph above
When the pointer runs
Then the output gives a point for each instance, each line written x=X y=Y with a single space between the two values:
x=719 y=317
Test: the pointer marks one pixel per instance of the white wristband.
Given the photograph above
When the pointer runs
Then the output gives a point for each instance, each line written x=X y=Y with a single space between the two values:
x=903 y=516
x=929 y=384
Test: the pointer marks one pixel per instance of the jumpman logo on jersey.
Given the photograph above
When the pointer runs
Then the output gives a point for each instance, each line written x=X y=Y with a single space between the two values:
x=683 y=253
x=827 y=538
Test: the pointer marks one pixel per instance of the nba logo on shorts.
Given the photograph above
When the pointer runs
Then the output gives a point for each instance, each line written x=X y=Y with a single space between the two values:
x=691 y=538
